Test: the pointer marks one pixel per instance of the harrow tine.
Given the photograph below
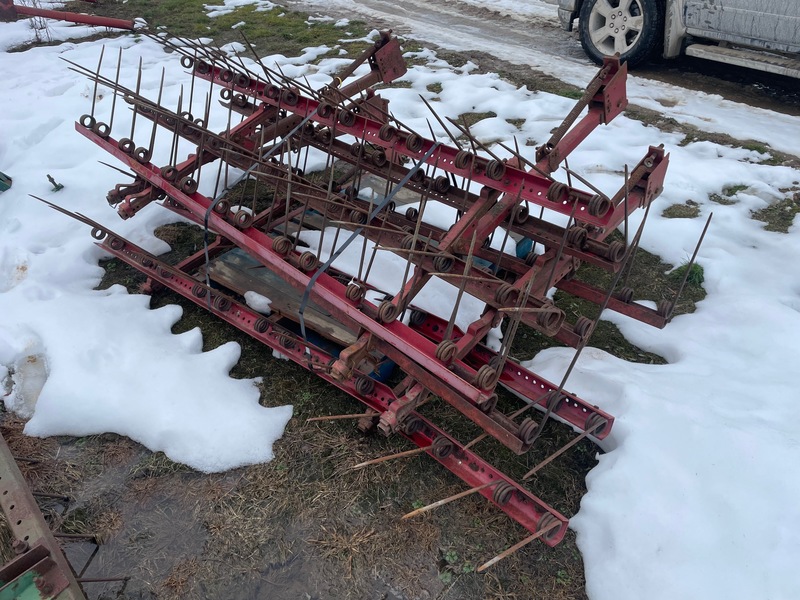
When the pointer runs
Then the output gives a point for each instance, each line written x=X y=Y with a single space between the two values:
x=136 y=106
x=449 y=499
x=116 y=85
x=517 y=546
x=74 y=215
x=382 y=459
x=625 y=201
x=473 y=140
x=176 y=138
x=524 y=161
x=583 y=180
x=439 y=119
x=99 y=66
x=341 y=417
x=561 y=247
x=561 y=450
x=256 y=57
x=448 y=332
x=689 y=267
x=628 y=266
x=89 y=561
x=155 y=121
x=126 y=173
x=190 y=108
x=569 y=173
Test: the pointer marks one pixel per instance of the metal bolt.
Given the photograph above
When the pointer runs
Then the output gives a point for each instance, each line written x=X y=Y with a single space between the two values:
x=20 y=546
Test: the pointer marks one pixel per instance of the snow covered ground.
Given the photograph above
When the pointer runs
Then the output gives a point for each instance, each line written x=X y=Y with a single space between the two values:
x=697 y=494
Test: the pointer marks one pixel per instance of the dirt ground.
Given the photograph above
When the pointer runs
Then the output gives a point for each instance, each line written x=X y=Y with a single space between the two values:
x=306 y=526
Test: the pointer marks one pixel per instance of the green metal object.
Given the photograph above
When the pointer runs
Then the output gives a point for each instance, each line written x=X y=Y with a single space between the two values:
x=5 y=183
x=24 y=588
x=57 y=187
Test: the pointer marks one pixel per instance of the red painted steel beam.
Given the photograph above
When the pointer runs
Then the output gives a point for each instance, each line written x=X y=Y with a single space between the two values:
x=59 y=15
x=631 y=309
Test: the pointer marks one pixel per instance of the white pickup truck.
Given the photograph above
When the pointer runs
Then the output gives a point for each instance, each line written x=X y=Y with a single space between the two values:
x=759 y=34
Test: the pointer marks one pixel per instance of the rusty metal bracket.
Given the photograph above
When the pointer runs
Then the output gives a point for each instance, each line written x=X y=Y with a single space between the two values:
x=40 y=569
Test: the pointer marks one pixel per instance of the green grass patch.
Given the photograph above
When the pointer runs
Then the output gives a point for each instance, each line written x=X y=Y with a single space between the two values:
x=274 y=31
x=728 y=193
x=435 y=88
x=779 y=216
x=472 y=118
x=689 y=210
x=695 y=275
x=723 y=200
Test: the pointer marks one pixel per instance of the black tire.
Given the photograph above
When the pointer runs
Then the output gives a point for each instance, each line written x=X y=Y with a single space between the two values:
x=635 y=37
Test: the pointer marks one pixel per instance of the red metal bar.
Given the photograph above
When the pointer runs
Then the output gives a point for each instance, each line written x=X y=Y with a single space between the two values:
x=596 y=295
x=30 y=11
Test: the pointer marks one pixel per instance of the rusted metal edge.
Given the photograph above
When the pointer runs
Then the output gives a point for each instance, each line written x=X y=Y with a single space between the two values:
x=40 y=562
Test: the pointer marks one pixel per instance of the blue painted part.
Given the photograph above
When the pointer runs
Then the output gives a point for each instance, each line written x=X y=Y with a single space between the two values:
x=524 y=247
x=383 y=371
x=5 y=182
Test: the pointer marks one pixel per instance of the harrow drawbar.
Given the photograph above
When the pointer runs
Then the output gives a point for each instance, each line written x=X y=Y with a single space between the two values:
x=338 y=320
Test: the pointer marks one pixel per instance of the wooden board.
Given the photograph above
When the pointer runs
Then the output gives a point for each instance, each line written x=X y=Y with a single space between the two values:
x=239 y=272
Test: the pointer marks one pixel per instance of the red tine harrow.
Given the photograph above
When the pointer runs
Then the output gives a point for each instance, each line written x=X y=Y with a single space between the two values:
x=342 y=326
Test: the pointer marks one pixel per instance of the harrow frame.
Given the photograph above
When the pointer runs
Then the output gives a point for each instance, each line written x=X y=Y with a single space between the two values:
x=280 y=116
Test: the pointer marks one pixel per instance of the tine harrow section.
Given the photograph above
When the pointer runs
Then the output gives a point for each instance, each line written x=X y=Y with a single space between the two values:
x=323 y=201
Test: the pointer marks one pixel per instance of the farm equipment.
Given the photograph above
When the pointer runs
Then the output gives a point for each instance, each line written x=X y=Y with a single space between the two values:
x=279 y=231
x=10 y=12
